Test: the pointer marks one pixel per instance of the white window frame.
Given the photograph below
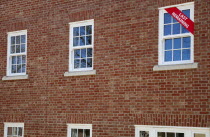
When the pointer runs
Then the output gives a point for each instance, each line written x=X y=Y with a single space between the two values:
x=71 y=47
x=189 y=5
x=78 y=126
x=188 y=131
x=9 y=124
x=9 y=55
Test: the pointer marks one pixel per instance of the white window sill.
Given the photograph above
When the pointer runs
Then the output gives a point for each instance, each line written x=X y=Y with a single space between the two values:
x=15 y=77
x=175 y=67
x=80 y=73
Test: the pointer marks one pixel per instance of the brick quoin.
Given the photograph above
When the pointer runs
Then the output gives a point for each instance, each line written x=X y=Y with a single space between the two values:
x=124 y=92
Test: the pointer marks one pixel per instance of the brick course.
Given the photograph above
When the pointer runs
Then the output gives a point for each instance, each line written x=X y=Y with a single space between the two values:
x=124 y=92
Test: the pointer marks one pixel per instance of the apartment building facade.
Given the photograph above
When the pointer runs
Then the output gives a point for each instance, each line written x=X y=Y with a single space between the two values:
x=105 y=68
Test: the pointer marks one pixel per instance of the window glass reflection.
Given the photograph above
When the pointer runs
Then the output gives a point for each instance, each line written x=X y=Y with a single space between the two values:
x=144 y=134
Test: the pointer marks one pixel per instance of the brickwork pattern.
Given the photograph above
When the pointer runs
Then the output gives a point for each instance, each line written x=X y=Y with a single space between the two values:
x=124 y=92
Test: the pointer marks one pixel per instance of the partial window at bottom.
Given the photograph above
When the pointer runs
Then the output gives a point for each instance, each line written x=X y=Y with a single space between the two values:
x=170 y=134
x=79 y=130
x=13 y=129
x=199 y=135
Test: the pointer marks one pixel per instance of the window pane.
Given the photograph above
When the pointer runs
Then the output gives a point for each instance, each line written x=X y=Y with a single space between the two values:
x=19 y=68
x=88 y=40
x=76 y=31
x=82 y=41
x=83 y=53
x=23 y=38
x=186 y=54
x=89 y=62
x=144 y=134
x=17 y=39
x=12 y=49
x=20 y=131
x=77 y=53
x=167 y=18
x=14 y=60
x=177 y=55
x=73 y=132
x=14 y=69
x=179 y=134
x=76 y=63
x=184 y=30
x=23 y=68
x=14 y=131
x=82 y=30
x=161 y=134
x=83 y=63
x=9 y=131
x=174 y=20
x=176 y=28
x=199 y=135
x=187 y=12
x=86 y=132
x=80 y=132
x=17 y=48
x=168 y=44
x=168 y=55
x=167 y=29
x=177 y=43
x=89 y=52
x=76 y=41
x=88 y=29
x=23 y=59
x=19 y=60
x=23 y=47
x=170 y=134
x=186 y=42
x=13 y=40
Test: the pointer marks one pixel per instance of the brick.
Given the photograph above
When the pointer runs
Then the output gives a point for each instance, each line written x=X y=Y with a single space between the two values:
x=124 y=92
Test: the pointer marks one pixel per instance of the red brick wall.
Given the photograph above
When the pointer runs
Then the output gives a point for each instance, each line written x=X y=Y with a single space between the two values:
x=125 y=92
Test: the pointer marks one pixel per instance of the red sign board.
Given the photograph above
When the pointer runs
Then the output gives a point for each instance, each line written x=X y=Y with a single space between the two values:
x=181 y=18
